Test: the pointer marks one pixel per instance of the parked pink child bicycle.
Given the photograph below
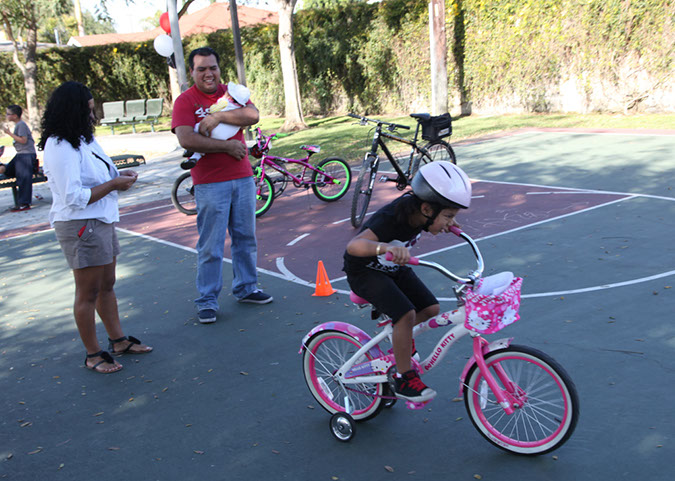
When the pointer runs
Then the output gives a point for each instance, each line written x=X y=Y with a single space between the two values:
x=329 y=179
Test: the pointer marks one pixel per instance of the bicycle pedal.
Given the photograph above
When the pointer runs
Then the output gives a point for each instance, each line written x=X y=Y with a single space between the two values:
x=415 y=406
x=384 y=179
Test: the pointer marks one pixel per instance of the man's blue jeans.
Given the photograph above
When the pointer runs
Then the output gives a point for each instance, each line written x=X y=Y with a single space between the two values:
x=222 y=207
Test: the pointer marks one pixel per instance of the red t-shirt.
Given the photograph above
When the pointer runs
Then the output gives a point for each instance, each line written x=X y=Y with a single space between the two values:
x=189 y=109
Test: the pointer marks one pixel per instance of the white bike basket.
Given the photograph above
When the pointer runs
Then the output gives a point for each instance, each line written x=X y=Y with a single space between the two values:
x=488 y=313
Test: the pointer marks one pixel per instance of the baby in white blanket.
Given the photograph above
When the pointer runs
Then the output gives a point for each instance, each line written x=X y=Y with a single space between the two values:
x=236 y=97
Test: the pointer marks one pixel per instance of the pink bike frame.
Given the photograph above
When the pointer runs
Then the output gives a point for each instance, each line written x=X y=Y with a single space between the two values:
x=269 y=160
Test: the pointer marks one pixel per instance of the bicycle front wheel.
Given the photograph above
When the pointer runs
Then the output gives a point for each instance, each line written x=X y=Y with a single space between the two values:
x=183 y=194
x=545 y=400
x=362 y=191
x=264 y=194
x=324 y=354
x=334 y=188
x=438 y=151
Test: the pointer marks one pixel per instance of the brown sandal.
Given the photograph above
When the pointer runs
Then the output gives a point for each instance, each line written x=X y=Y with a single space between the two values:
x=106 y=358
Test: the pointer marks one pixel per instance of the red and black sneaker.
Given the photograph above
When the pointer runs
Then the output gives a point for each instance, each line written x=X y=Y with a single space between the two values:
x=411 y=388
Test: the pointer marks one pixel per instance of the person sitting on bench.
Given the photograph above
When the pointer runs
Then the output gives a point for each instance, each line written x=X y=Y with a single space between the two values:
x=22 y=165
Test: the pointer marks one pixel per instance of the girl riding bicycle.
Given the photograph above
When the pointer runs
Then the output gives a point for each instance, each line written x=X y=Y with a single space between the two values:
x=439 y=190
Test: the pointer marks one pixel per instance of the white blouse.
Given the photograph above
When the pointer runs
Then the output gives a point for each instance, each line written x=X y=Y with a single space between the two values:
x=72 y=174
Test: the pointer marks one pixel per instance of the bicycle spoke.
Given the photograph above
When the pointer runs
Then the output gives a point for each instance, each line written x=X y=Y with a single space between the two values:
x=542 y=418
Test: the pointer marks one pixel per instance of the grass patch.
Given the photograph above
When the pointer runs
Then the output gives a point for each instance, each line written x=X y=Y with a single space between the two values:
x=342 y=137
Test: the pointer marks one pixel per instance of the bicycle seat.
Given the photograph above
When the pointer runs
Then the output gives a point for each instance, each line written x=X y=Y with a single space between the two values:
x=357 y=300
x=421 y=116
x=315 y=149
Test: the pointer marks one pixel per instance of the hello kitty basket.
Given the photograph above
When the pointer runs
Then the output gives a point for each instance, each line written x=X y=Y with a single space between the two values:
x=493 y=303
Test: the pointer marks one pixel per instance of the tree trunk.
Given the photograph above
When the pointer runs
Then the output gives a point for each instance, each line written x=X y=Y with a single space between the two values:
x=173 y=83
x=293 y=107
x=78 y=17
x=439 y=68
x=458 y=52
x=30 y=76
x=28 y=67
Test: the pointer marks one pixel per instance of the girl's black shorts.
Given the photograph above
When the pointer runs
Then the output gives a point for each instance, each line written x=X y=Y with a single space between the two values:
x=394 y=295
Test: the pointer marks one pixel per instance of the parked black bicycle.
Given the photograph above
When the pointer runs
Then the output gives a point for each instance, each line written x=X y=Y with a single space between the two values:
x=434 y=129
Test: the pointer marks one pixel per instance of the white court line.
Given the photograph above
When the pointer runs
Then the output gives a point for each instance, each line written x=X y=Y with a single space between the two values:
x=587 y=289
x=194 y=251
x=516 y=229
x=27 y=234
x=146 y=210
x=581 y=191
x=286 y=274
x=349 y=218
x=289 y=276
x=296 y=240
x=575 y=192
x=371 y=213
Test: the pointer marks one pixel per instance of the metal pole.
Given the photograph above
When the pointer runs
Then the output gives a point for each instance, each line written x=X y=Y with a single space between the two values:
x=238 y=54
x=177 y=45
x=438 y=54
x=238 y=51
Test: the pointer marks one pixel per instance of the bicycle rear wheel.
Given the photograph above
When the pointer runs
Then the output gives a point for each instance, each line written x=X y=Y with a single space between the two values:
x=264 y=194
x=183 y=194
x=329 y=190
x=545 y=400
x=324 y=354
x=438 y=151
x=363 y=190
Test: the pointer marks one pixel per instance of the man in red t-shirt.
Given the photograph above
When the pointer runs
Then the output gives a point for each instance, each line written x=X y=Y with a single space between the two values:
x=224 y=186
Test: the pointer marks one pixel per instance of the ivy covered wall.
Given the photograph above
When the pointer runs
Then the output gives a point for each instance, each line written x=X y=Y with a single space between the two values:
x=503 y=56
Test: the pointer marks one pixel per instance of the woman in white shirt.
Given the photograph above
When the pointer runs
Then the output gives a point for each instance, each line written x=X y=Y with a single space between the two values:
x=84 y=184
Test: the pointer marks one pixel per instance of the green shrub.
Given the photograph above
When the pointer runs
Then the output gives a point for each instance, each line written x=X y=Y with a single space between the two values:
x=372 y=58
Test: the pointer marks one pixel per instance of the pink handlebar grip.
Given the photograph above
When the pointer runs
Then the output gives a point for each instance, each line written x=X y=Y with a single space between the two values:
x=456 y=230
x=412 y=261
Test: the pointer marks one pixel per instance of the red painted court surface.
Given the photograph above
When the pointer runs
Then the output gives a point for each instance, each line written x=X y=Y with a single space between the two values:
x=299 y=230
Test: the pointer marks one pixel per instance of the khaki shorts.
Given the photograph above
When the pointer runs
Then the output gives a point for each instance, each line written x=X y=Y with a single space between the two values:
x=87 y=242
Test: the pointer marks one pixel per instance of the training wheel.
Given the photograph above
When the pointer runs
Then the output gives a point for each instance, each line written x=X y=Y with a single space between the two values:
x=342 y=426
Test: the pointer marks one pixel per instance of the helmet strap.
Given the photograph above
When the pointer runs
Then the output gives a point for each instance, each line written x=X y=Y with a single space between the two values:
x=430 y=218
x=429 y=222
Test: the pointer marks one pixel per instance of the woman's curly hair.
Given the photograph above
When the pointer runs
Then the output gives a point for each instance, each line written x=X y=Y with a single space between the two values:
x=67 y=116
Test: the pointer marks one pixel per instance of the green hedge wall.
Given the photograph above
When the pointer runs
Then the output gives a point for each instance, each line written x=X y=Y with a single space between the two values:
x=375 y=58
x=113 y=72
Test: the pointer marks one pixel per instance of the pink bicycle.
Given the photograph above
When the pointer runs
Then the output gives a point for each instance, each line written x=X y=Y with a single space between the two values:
x=329 y=179
x=519 y=398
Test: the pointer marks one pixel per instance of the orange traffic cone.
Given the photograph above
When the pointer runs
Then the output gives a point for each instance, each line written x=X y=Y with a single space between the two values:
x=323 y=287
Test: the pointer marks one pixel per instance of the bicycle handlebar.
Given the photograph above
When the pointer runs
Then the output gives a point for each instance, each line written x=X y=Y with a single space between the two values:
x=472 y=276
x=365 y=120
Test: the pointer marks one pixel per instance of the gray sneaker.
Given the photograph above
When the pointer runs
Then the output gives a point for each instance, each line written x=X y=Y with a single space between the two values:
x=207 y=316
x=257 y=297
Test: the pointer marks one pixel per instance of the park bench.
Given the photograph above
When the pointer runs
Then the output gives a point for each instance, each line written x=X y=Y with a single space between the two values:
x=122 y=161
x=132 y=112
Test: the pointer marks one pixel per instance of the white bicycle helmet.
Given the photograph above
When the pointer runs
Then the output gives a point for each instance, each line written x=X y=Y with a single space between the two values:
x=442 y=183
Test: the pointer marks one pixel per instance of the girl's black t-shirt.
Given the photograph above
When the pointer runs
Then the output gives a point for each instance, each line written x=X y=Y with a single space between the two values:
x=389 y=229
